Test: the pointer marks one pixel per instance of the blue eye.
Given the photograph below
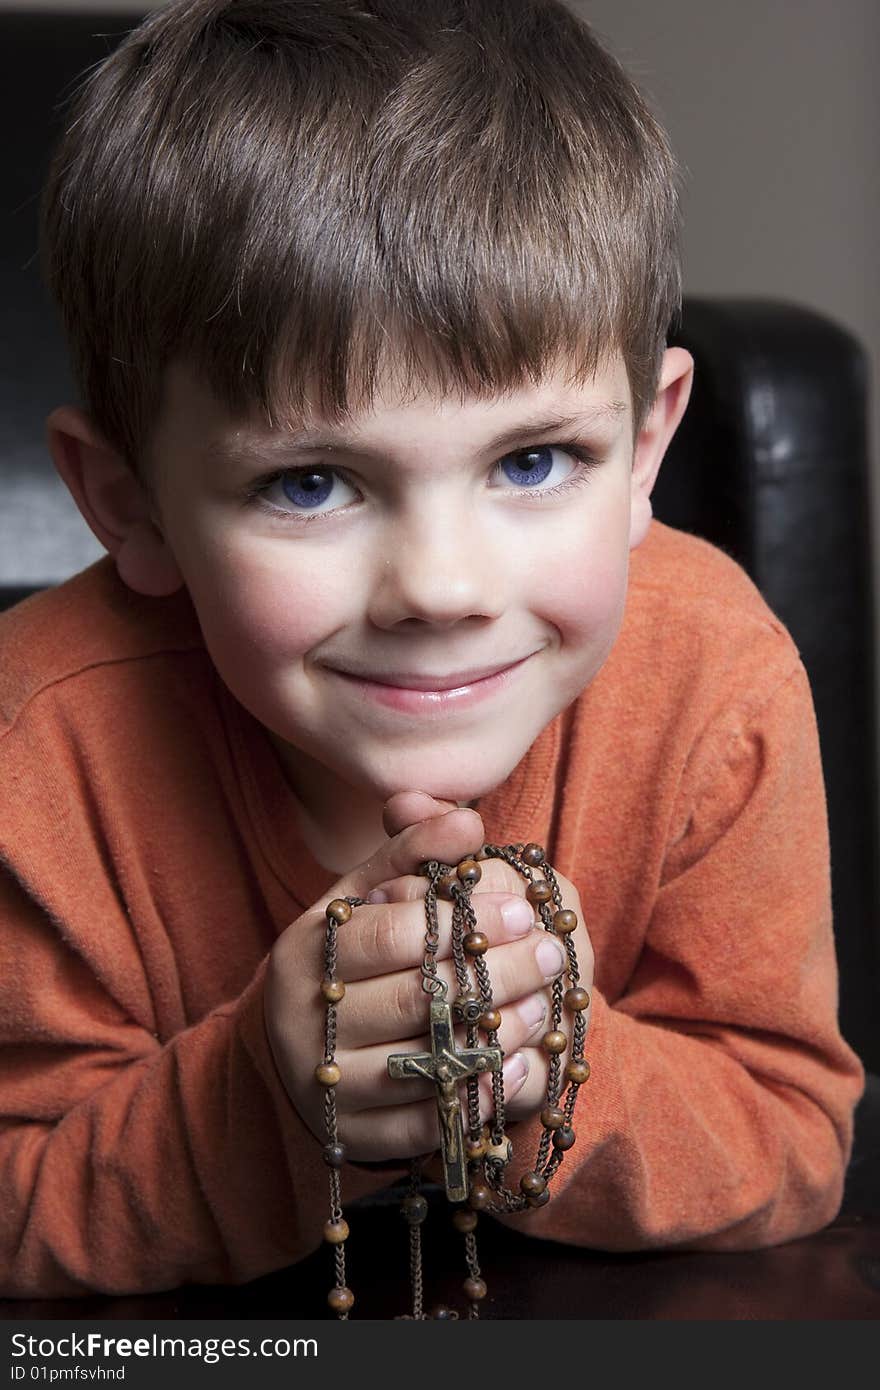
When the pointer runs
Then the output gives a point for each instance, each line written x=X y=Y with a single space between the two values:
x=535 y=464
x=305 y=490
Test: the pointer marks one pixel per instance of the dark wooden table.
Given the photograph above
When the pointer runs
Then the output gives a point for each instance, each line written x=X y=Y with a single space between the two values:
x=834 y=1274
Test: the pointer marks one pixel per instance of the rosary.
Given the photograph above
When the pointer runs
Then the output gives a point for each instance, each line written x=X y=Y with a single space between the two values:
x=473 y=1167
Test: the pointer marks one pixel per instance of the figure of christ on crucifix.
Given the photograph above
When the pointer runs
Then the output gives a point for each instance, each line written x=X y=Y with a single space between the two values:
x=447 y=1067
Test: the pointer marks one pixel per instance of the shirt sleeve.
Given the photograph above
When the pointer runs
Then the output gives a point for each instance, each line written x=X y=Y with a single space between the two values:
x=129 y=1166
x=719 y=1111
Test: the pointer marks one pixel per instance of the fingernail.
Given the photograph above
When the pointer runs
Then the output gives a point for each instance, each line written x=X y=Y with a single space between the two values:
x=550 y=958
x=518 y=916
x=378 y=896
x=533 y=1010
x=516 y=1069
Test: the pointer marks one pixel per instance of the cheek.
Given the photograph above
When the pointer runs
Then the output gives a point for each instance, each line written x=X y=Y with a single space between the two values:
x=258 y=608
x=584 y=586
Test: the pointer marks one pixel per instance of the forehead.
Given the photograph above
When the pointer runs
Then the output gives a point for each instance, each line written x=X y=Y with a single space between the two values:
x=192 y=416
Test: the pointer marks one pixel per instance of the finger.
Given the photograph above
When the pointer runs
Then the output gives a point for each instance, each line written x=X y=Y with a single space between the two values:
x=497 y=876
x=380 y=940
x=408 y=808
x=448 y=837
x=394 y=1005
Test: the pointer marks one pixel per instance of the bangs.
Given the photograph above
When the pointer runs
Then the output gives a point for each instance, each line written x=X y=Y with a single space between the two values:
x=300 y=199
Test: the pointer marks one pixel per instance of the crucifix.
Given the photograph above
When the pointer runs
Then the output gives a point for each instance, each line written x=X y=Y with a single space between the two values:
x=446 y=1068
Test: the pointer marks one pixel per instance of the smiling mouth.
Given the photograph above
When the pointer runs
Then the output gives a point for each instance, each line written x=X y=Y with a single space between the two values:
x=423 y=684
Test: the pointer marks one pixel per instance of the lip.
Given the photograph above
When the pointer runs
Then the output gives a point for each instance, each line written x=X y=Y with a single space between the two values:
x=433 y=693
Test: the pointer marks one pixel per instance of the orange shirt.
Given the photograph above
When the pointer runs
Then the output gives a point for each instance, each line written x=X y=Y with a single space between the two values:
x=151 y=857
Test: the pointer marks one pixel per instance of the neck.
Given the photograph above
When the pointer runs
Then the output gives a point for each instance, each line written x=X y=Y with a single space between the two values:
x=339 y=840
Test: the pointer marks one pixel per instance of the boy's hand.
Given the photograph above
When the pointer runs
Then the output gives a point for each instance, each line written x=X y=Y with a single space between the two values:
x=385 y=1009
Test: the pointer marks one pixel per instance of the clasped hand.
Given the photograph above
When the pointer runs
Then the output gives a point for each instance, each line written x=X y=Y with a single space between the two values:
x=385 y=1009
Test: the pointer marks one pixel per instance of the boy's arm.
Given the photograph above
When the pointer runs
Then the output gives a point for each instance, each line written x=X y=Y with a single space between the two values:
x=128 y=1166
x=719 y=1110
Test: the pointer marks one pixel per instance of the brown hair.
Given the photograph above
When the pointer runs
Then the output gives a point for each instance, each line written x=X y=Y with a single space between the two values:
x=281 y=191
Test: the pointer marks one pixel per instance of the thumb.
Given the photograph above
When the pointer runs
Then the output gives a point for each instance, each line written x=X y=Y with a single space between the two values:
x=408 y=808
x=435 y=833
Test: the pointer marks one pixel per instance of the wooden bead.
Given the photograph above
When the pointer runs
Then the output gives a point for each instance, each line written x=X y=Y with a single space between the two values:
x=490 y=1021
x=538 y=1199
x=530 y=1183
x=335 y=1232
x=469 y=872
x=475 y=943
x=476 y=1148
x=333 y=990
x=339 y=911
x=334 y=1155
x=441 y=1313
x=539 y=891
x=414 y=1209
x=444 y=885
x=467 y=1007
x=327 y=1074
x=533 y=855
x=576 y=999
x=552 y=1117
x=479 y=1196
x=578 y=1072
x=340 y=1300
x=554 y=1041
x=475 y=1289
x=563 y=1139
x=564 y=921
x=464 y=1220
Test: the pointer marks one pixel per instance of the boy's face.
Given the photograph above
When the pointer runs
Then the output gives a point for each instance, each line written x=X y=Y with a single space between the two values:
x=429 y=543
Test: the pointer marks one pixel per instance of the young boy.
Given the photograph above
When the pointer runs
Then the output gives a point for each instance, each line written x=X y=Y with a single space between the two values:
x=369 y=303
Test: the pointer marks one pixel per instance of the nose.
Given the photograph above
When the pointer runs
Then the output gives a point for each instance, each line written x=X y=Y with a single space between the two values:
x=436 y=567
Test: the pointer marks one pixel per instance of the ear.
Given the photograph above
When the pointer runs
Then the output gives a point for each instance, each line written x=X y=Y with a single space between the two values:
x=670 y=403
x=115 y=503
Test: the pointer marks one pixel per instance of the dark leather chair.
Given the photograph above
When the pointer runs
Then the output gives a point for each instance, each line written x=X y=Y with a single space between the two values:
x=770 y=463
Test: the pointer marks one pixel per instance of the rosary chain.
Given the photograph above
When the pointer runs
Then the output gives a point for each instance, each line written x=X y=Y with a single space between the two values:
x=489 y=1151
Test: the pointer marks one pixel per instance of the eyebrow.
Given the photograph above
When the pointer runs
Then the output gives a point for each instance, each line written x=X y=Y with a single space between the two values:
x=306 y=442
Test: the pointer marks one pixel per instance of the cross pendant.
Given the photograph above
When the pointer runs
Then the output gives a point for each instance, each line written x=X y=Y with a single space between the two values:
x=446 y=1068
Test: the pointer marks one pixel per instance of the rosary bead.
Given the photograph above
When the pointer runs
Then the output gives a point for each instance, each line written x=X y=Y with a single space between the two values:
x=339 y=911
x=476 y=1148
x=464 y=1220
x=444 y=885
x=479 y=1196
x=579 y=1072
x=552 y=1117
x=532 y=1183
x=441 y=1313
x=576 y=998
x=501 y=1152
x=539 y=891
x=333 y=990
x=538 y=1199
x=564 y=921
x=467 y=1007
x=334 y=1155
x=327 y=1074
x=475 y=943
x=475 y=1289
x=340 y=1299
x=490 y=1021
x=563 y=1138
x=554 y=1041
x=414 y=1209
x=533 y=855
x=335 y=1232
x=469 y=872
